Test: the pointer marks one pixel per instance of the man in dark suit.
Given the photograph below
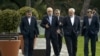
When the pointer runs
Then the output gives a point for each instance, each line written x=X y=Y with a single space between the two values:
x=60 y=34
x=29 y=30
x=50 y=24
x=90 y=29
x=71 y=28
x=95 y=13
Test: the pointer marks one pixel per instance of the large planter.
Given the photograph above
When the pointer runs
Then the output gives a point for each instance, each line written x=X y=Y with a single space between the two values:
x=9 y=47
x=0 y=49
x=22 y=43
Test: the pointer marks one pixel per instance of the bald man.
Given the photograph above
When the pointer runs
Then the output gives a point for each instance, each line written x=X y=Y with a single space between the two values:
x=50 y=24
x=71 y=28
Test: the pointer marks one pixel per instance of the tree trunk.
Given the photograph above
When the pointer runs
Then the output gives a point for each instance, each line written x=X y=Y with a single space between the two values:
x=50 y=3
x=28 y=3
x=85 y=7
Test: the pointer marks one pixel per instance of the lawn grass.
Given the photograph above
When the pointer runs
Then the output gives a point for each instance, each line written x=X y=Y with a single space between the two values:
x=80 y=47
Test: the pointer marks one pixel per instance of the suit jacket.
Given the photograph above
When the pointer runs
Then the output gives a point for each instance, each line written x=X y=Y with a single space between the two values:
x=68 y=28
x=93 y=28
x=60 y=25
x=52 y=28
x=27 y=29
x=60 y=20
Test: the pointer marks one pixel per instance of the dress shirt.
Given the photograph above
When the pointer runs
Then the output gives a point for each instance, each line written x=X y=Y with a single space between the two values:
x=50 y=20
x=29 y=20
x=90 y=19
x=72 y=19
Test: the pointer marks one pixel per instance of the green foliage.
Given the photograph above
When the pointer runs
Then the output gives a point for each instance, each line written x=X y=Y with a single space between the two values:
x=9 y=20
x=8 y=5
x=80 y=47
x=95 y=4
x=41 y=9
x=40 y=5
x=23 y=10
x=20 y=3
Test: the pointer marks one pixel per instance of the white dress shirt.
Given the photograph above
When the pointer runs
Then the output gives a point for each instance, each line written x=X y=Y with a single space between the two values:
x=90 y=19
x=50 y=20
x=72 y=18
x=29 y=20
x=58 y=17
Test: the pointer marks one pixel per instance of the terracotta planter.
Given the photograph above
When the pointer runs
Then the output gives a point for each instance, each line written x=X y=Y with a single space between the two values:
x=0 y=49
x=9 y=47
x=22 y=42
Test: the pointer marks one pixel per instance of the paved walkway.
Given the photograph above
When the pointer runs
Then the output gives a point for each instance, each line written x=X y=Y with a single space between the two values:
x=41 y=44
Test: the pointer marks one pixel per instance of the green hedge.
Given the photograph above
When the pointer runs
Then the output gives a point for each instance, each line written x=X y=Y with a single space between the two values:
x=23 y=10
x=9 y=20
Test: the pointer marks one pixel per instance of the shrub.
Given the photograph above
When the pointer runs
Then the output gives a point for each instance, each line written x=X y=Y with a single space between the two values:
x=23 y=10
x=9 y=20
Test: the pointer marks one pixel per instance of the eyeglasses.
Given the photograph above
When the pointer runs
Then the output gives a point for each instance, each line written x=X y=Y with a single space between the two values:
x=89 y=12
x=57 y=13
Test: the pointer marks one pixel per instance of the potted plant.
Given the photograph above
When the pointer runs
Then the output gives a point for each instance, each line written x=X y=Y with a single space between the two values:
x=9 y=22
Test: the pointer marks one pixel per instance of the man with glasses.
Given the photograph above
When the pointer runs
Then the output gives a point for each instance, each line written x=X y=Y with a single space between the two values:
x=60 y=34
x=90 y=29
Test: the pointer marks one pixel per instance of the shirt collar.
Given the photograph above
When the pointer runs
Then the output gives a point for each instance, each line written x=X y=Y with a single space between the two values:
x=29 y=17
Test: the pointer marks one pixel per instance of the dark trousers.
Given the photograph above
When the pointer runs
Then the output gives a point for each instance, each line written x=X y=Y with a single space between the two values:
x=60 y=42
x=93 y=44
x=97 y=37
x=28 y=45
x=53 y=39
x=71 y=42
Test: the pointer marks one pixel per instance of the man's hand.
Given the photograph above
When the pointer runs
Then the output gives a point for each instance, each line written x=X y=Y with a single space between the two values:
x=60 y=23
x=36 y=36
x=47 y=26
x=58 y=31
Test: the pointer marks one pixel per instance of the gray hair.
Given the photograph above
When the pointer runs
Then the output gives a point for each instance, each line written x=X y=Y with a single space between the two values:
x=71 y=9
x=49 y=8
x=57 y=10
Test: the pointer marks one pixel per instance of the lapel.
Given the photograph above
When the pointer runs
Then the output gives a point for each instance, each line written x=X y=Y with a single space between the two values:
x=26 y=19
x=92 y=21
x=88 y=21
x=74 y=20
x=32 y=19
x=49 y=21
x=60 y=19
x=52 y=20
x=69 y=20
x=47 y=18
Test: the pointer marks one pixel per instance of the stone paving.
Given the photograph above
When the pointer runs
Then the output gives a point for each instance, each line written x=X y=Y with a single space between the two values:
x=41 y=44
